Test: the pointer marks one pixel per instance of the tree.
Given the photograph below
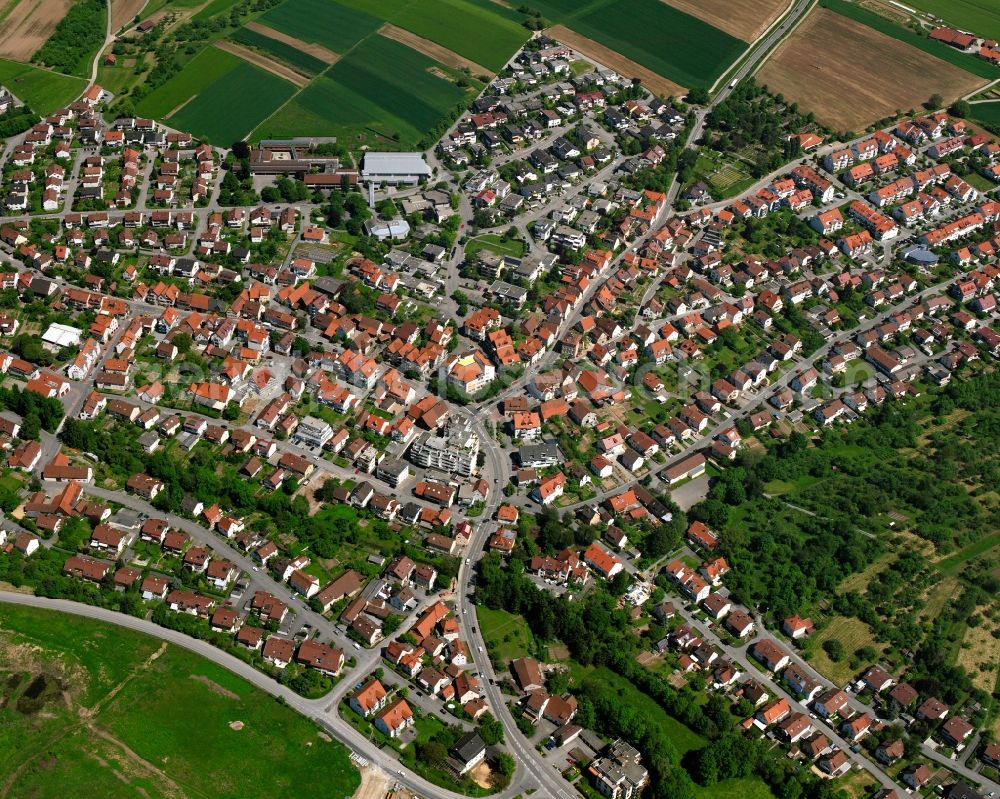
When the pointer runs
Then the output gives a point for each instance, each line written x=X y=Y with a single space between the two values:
x=834 y=649
x=698 y=96
x=183 y=342
x=935 y=101
x=30 y=427
x=490 y=730
x=506 y=765
x=960 y=108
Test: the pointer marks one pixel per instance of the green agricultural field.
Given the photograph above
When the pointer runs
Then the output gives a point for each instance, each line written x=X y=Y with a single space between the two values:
x=669 y=42
x=673 y=44
x=91 y=709
x=44 y=91
x=221 y=112
x=962 y=60
x=209 y=66
x=981 y=17
x=303 y=62
x=324 y=22
x=987 y=114
x=382 y=92
x=475 y=32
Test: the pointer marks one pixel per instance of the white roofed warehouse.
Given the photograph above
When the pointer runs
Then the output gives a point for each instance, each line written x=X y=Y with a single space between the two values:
x=394 y=168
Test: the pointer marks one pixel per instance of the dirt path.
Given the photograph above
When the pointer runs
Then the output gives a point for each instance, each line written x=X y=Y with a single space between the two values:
x=166 y=784
x=374 y=784
x=317 y=50
x=178 y=108
x=657 y=84
x=429 y=48
x=214 y=687
x=263 y=62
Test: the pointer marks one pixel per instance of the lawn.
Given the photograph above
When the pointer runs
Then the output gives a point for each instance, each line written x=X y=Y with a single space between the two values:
x=493 y=243
x=219 y=112
x=506 y=635
x=323 y=22
x=168 y=730
x=749 y=788
x=953 y=563
x=157 y=5
x=43 y=90
x=213 y=8
x=209 y=66
x=981 y=17
x=778 y=487
x=884 y=25
x=853 y=634
x=682 y=737
x=381 y=91
x=303 y=62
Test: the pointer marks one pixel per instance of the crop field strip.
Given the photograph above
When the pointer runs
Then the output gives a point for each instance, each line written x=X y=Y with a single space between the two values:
x=208 y=96
x=665 y=40
x=298 y=59
x=324 y=22
x=826 y=64
x=265 y=62
x=965 y=61
x=476 y=33
x=745 y=20
x=380 y=85
x=981 y=17
x=26 y=26
x=317 y=51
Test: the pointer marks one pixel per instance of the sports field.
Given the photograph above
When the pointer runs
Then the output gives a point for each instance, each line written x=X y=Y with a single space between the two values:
x=381 y=90
x=981 y=17
x=210 y=97
x=90 y=709
x=826 y=64
x=44 y=91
